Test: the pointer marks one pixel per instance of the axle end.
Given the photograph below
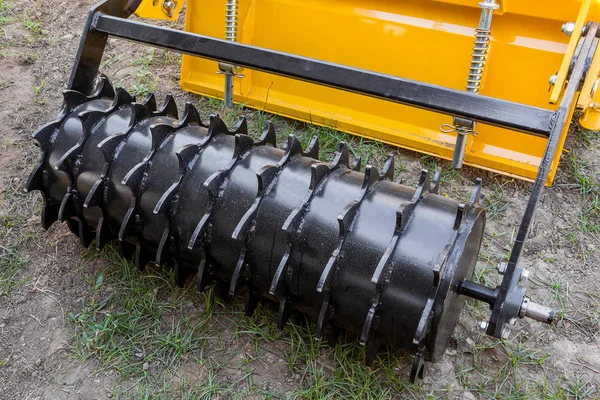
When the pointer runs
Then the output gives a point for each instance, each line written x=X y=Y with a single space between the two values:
x=536 y=311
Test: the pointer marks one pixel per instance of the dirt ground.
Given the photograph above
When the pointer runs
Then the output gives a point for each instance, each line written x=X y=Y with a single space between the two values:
x=53 y=292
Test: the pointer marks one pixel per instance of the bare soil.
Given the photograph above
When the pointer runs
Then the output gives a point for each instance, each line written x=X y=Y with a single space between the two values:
x=38 y=357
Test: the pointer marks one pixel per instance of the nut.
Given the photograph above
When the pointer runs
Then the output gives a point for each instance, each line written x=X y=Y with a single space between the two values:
x=524 y=276
x=483 y=325
x=502 y=267
x=505 y=333
x=568 y=28
x=553 y=80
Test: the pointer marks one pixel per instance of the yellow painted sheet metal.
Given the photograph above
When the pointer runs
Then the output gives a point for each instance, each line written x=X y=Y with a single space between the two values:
x=561 y=75
x=424 y=40
x=160 y=9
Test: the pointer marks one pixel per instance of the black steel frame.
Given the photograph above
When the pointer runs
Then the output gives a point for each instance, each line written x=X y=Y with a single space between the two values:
x=109 y=18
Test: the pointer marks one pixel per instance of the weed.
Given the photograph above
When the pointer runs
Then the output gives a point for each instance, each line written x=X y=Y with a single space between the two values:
x=109 y=58
x=145 y=60
x=11 y=264
x=447 y=173
x=580 y=388
x=212 y=388
x=32 y=26
x=5 y=9
x=585 y=175
x=38 y=90
x=496 y=202
x=163 y=58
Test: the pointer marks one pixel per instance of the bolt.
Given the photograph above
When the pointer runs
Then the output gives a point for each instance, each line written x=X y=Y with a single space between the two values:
x=502 y=267
x=594 y=88
x=505 y=333
x=524 y=276
x=489 y=5
x=553 y=80
x=483 y=325
x=168 y=7
x=568 y=28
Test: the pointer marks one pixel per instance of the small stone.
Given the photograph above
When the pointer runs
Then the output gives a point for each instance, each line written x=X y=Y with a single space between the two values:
x=109 y=395
x=146 y=366
x=466 y=346
x=68 y=37
x=2 y=325
x=468 y=396
x=38 y=362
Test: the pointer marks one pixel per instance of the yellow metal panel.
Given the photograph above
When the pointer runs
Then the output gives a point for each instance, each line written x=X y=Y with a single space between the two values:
x=590 y=117
x=561 y=75
x=429 y=41
x=153 y=9
x=590 y=85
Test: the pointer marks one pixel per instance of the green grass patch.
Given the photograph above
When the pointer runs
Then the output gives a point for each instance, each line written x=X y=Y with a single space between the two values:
x=32 y=26
x=11 y=264
x=145 y=83
x=5 y=9
x=586 y=178
x=130 y=321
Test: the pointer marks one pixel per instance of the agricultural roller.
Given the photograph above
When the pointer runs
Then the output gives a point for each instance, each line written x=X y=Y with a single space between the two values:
x=342 y=243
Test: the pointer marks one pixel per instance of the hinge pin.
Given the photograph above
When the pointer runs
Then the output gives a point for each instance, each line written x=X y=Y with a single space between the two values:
x=230 y=71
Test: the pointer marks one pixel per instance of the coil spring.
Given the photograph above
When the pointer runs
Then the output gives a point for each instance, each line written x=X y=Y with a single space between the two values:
x=478 y=59
x=231 y=16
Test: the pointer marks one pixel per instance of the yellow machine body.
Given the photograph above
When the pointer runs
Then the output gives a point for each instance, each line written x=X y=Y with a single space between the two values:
x=424 y=40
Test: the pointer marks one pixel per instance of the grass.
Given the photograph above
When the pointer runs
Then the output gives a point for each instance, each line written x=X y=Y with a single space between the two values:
x=11 y=264
x=145 y=82
x=134 y=323
x=138 y=325
x=38 y=91
x=447 y=173
x=5 y=9
x=582 y=178
x=586 y=176
x=497 y=201
x=32 y=26
x=128 y=322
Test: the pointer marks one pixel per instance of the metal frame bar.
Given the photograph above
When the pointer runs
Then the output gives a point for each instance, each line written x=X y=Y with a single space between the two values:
x=488 y=110
x=109 y=19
